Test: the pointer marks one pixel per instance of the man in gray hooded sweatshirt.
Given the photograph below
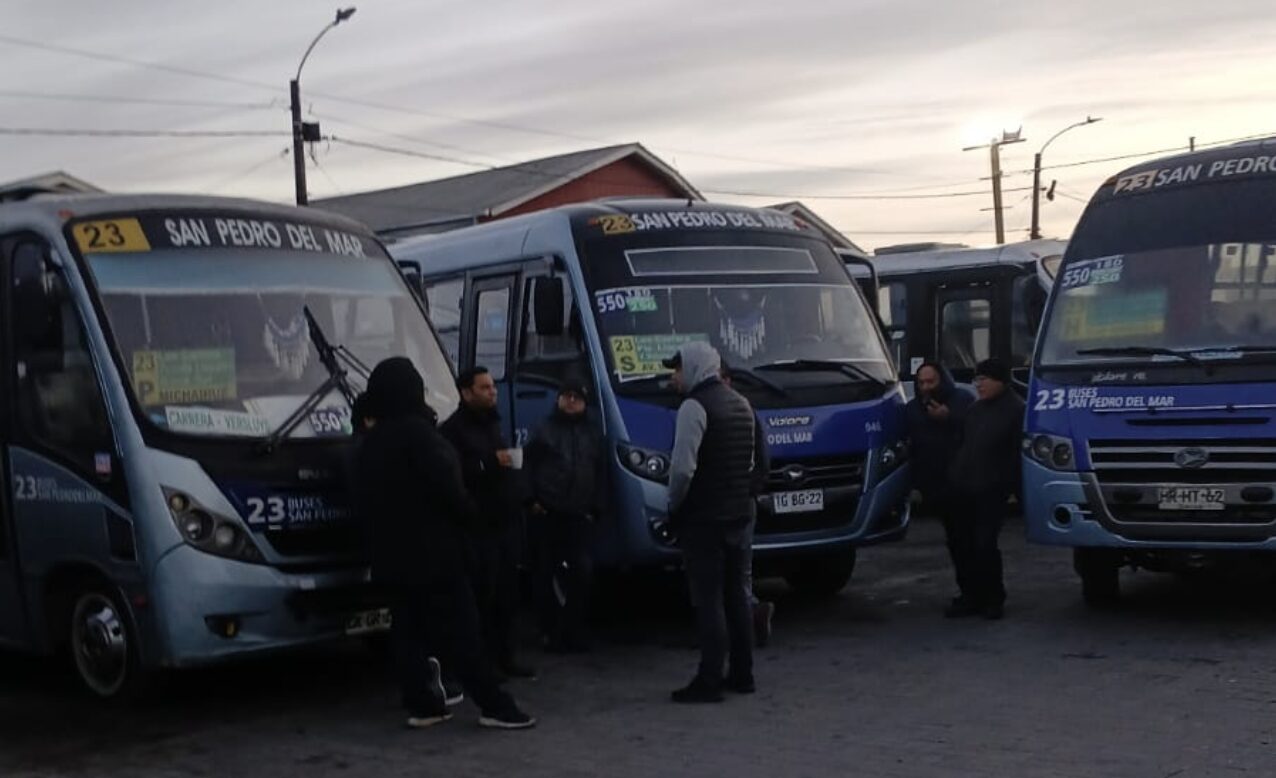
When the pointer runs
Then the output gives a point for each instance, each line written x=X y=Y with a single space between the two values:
x=712 y=510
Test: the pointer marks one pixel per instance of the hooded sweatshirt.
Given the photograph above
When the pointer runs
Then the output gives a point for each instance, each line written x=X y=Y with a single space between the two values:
x=408 y=488
x=711 y=472
x=933 y=442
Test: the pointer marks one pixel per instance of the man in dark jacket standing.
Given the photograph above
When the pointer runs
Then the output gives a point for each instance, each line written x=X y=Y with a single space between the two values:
x=565 y=472
x=409 y=494
x=935 y=416
x=488 y=466
x=712 y=510
x=985 y=473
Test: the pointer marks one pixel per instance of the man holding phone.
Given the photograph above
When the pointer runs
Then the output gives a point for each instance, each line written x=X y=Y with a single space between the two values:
x=935 y=418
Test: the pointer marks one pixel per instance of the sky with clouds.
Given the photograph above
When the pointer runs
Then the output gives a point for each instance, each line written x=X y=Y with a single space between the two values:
x=844 y=104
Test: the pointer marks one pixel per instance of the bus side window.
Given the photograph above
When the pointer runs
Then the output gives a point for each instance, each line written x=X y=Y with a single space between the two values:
x=892 y=305
x=443 y=300
x=965 y=333
x=1026 y=309
x=58 y=400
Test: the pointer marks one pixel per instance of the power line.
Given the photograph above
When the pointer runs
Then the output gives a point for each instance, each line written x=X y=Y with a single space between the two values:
x=84 y=98
x=122 y=133
x=1138 y=154
x=413 y=153
x=858 y=196
x=225 y=182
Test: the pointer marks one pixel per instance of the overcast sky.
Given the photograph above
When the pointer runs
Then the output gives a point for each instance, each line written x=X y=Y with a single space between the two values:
x=815 y=100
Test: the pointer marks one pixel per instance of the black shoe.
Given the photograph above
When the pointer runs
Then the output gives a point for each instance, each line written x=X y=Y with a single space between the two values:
x=994 y=612
x=515 y=670
x=697 y=692
x=961 y=608
x=437 y=688
x=513 y=718
x=763 y=613
x=740 y=684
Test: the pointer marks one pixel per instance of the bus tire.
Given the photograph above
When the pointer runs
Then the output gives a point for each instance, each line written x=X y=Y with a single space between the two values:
x=821 y=575
x=103 y=644
x=1100 y=572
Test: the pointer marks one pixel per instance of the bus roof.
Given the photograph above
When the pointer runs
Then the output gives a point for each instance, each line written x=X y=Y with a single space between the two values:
x=444 y=248
x=1024 y=253
x=55 y=210
x=1245 y=160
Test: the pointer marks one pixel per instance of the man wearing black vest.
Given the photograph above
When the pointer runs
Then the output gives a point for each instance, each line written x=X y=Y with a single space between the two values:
x=712 y=510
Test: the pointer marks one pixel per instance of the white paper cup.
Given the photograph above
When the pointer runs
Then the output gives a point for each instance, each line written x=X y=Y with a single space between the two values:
x=516 y=457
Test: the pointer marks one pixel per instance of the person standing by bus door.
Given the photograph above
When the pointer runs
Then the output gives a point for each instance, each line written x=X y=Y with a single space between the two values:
x=711 y=509
x=565 y=469
x=408 y=491
x=935 y=417
x=984 y=474
x=489 y=468
x=763 y=610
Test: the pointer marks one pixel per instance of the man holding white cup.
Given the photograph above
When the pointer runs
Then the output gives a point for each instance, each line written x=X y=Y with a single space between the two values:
x=488 y=465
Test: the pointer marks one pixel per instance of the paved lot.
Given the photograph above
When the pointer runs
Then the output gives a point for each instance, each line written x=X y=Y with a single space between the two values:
x=1180 y=682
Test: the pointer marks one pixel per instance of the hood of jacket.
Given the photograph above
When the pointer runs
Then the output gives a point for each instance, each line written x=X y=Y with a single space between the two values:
x=700 y=362
x=947 y=384
x=396 y=389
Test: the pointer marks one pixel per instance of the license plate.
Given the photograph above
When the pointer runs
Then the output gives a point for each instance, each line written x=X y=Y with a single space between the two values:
x=798 y=502
x=365 y=622
x=1190 y=498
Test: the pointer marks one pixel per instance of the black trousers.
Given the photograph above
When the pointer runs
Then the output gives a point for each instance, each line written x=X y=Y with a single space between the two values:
x=972 y=523
x=564 y=577
x=438 y=618
x=717 y=558
x=496 y=555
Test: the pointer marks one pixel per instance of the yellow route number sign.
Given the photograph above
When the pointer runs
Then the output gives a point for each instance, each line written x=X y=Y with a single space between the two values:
x=110 y=235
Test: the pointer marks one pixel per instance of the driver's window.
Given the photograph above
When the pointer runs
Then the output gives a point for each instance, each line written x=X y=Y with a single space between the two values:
x=564 y=345
x=59 y=402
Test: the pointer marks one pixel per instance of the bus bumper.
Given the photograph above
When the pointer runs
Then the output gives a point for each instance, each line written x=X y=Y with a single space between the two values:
x=881 y=514
x=213 y=609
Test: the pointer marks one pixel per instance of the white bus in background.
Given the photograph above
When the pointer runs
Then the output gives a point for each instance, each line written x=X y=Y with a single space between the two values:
x=960 y=304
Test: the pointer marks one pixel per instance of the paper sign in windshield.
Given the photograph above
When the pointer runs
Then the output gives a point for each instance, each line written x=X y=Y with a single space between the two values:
x=639 y=300
x=1093 y=272
x=211 y=421
x=1089 y=319
x=641 y=355
x=184 y=376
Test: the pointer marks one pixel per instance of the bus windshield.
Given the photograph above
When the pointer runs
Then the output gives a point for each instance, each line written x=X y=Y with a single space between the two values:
x=1145 y=305
x=769 y=303
x=215 y=341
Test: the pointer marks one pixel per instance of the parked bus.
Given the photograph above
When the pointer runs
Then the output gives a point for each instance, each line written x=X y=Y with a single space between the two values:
x=962 y=305
x=606 y=290
x=1151 y=426
x=176 y=426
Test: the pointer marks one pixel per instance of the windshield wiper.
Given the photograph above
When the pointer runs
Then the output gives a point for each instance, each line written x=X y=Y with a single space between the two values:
x=1142 y=351
x=330 y=357
x=848 y=369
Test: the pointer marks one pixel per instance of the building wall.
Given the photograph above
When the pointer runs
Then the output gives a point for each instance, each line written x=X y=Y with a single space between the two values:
x=626 y=177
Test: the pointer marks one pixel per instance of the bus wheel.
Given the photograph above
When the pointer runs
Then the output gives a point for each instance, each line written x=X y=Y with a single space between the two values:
x=822 y=575
x=102 y=643
x=1100 y=571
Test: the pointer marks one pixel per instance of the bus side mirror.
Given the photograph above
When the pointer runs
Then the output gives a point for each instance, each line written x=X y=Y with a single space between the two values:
x=548 y=303
x=411 y=270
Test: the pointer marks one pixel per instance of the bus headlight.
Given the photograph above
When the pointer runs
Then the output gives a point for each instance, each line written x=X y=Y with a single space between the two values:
x=892 y=456
x=644 y=463
x=210 y=532
x=1053 y=451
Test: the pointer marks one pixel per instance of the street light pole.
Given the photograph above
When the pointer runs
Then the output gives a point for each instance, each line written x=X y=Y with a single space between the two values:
x=298 y=127
x=1035 y=232
x=994 y=158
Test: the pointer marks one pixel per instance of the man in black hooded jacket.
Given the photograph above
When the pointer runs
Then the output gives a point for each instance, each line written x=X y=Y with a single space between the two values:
x=410 y=496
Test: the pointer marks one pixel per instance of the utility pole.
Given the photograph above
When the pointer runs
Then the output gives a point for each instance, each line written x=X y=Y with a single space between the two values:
x=994 y=157
x=1035 y=232
x=306 y=131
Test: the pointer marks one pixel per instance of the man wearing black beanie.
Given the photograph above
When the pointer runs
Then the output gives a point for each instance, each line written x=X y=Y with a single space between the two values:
x=984 y=474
